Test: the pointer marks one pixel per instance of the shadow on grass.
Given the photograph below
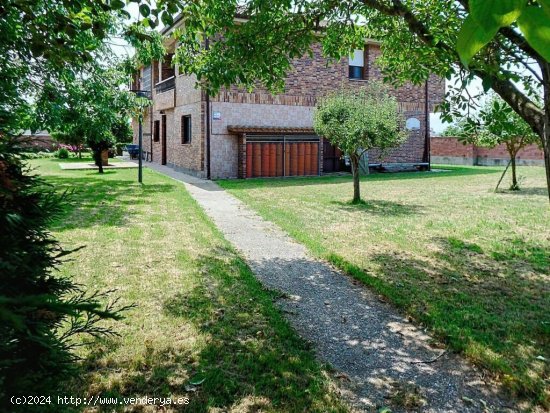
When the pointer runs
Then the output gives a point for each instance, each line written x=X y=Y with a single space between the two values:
x=525 y=191
x=491 y=305
x=100 y=201
x=254 y=183
x=251 y=360
x=380 y=207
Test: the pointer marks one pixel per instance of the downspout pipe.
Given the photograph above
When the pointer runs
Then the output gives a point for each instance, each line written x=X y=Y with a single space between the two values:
x=427 y=143
x=208 y=170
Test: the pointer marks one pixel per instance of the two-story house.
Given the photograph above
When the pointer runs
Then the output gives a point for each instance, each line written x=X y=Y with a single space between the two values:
x=238 y=134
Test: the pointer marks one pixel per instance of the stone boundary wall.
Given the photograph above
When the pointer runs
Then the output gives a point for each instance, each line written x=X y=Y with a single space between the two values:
x=449 y=150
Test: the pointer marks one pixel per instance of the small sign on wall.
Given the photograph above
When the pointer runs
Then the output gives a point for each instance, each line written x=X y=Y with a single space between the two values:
x=413 y=124
x=216 y=115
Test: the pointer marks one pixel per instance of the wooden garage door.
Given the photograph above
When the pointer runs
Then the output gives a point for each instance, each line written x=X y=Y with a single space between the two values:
x=271 y=156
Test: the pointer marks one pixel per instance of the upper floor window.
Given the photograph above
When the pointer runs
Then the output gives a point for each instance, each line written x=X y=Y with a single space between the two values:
x=146 y=78
x=186 y=129
x=357 y=65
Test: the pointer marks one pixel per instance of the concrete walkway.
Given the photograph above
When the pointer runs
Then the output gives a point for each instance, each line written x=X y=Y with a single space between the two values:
x=381 y=359
x=91 y=165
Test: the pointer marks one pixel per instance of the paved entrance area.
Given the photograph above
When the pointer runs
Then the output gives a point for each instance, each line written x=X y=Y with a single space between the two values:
x=91 y=165
x=381 y=359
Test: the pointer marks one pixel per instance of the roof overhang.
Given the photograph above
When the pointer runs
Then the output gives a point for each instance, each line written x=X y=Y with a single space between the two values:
x=271 y=130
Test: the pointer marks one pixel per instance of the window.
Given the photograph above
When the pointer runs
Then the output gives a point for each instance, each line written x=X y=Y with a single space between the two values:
x=186 y=129
x=167 y=70
x=357 y=65
x=156 y=132
x=146 y=78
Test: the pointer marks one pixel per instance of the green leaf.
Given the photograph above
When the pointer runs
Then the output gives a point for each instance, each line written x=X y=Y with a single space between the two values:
x=496 y=12
x=535 y=26
x=167 y=19
x=472 y=37
x=144 y=10
x=172 y=8
x=117 y=4
x=545 y=6
x=487 y=84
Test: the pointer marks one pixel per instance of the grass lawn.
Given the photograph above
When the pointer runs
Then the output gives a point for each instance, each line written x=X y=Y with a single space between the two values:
x=203 y=326
x=471 y=265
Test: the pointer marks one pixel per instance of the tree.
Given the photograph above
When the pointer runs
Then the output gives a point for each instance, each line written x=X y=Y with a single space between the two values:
x=122 y=130
x=40 y=312
x=456 y=129
x=357 y=121
x=498 y=124
x=76 y=142
x=91 y=105
x=419 y=38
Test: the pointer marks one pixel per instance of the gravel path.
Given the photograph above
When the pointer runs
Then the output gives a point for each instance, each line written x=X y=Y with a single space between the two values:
x=380 y=358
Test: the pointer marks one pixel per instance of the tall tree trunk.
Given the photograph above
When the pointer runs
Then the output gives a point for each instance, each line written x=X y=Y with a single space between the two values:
x=515 y=185
x=98 y=160
x=354 y=159
x=546 y=147
x=545 y=66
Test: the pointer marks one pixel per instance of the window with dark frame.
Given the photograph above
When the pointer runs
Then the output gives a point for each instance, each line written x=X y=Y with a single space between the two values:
x=156 y=131
x=357 y=65
x=186 y=129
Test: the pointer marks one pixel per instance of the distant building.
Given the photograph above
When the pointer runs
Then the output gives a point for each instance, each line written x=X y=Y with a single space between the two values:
x=38 y=139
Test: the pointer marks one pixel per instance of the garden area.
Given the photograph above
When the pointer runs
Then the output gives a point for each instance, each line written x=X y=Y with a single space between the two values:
x=201 y=327
x=470 y=265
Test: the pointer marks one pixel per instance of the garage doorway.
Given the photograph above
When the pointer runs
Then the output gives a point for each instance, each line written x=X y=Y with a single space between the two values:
x=282 y=155
x=332 y=159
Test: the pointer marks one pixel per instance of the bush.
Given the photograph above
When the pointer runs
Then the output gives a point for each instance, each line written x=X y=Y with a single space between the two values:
x=40 y=311
x=38 y=155
x=62 y=153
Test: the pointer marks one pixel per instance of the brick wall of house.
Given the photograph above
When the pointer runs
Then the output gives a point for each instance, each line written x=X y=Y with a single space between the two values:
x=164 y=100
x=185 y=99
x=310 y=79
x=449 y=150
x=224 y=146
x=187 y=157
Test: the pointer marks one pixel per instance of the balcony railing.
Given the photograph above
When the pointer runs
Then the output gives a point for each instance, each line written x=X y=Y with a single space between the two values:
x=166 y=85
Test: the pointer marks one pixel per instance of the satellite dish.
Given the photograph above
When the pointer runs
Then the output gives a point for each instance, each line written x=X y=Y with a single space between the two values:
x=413 y=124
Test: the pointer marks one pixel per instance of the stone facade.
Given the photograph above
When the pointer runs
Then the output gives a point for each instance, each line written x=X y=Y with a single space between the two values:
x=449 y=150
x=310 y=79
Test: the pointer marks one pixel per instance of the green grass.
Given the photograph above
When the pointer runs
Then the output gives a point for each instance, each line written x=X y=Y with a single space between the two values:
x=200 y=315
x=471 y=265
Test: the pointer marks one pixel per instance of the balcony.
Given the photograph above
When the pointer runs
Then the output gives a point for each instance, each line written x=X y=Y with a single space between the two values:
x=166 y=84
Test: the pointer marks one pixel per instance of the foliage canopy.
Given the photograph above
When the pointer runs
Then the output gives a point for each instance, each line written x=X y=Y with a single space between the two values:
x=356 y=121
